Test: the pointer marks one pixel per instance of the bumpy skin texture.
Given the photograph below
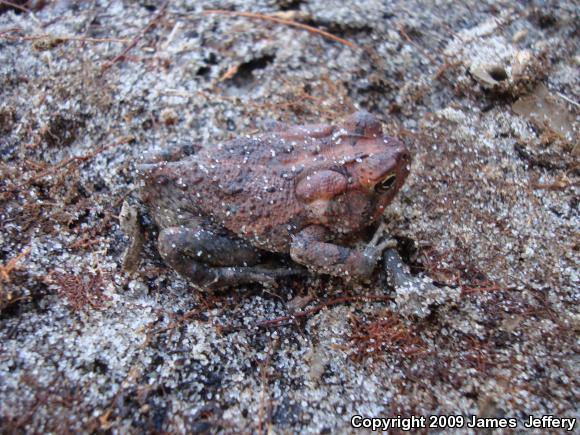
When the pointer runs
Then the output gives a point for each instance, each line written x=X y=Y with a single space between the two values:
x=302 y=190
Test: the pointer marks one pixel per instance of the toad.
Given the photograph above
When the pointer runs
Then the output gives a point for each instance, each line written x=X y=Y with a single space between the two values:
x=307 y=191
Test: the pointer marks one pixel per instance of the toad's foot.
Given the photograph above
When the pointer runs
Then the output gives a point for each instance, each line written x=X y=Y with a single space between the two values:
x=212 y=278
x=415 y=295
x=398 y=273
x=375 y=247
x=214 y=261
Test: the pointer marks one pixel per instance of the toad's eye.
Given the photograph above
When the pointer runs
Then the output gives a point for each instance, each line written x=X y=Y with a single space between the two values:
x=386 y=183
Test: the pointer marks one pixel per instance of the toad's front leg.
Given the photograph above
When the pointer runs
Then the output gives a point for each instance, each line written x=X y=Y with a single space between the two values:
x=310 y=248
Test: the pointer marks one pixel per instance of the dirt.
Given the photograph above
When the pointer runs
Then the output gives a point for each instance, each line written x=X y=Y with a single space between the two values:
x=484 y=95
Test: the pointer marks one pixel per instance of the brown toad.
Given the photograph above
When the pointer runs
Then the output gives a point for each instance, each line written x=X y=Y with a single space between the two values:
x=307 y=191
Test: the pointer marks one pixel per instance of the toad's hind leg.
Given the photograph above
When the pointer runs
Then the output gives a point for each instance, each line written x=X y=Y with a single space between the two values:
x=215 y=261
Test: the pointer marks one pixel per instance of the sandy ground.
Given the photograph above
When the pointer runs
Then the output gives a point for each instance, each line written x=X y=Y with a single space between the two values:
x=484 y=93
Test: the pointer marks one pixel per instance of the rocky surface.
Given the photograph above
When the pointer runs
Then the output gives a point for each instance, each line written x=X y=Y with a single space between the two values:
x=484 y=94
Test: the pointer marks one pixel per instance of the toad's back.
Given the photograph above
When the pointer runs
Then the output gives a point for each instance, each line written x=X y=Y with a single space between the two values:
x=246 y=185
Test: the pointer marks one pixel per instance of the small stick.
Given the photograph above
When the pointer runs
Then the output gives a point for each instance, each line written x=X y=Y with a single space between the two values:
x=283 y=320
x=414 y=44
x=281 y=21
x=137 y=38
x=66 y=162
x=59 y=37
x=564 y=97
x=15 y=6
x=5 y=270
x=23 y=9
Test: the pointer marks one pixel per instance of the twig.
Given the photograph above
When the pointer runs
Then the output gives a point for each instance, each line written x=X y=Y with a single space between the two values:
x=282 y=21
x=63 y=38
x=284 y=320
x=565 y=98
x=136 y=39
x=121 y=141
x=21 y=8
x=414 y=44
x=264 y=391
x=492 y=287
x=5 y=270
